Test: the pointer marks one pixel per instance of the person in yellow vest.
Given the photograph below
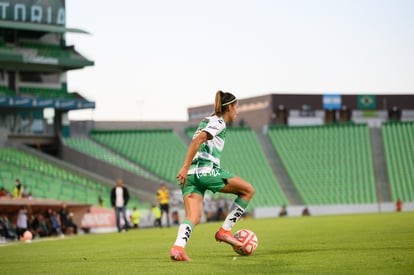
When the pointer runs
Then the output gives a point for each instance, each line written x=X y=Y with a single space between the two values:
x=135 y=217
x=163 y=196
x=17 y=190
x=156 y=212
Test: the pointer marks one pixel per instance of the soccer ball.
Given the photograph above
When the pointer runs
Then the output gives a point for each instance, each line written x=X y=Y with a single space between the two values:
x=249 y=240
x=27 y=236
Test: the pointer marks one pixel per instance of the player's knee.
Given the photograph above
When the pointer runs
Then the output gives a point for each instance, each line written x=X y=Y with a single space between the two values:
x=248 y=191
x=251 y=190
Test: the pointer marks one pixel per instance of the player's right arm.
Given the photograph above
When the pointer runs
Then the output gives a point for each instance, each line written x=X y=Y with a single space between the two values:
x=191 y=152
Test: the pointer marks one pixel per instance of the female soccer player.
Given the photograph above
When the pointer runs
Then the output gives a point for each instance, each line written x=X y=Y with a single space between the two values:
x=201 y=171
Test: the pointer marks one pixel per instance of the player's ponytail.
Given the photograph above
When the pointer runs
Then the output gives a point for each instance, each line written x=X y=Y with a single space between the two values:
x=222 y=101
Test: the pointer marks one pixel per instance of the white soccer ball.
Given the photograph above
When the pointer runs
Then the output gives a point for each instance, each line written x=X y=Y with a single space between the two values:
x=27 y=236
x=249 y=240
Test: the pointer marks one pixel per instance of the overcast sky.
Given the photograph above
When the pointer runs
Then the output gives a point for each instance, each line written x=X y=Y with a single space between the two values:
x=154 y=59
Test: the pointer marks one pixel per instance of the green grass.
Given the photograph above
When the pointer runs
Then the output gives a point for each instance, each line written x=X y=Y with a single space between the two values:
x=346 y=244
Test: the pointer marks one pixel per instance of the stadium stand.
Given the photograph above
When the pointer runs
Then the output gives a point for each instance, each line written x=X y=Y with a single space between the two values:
x=399 y=154
x=45 y=49
x=4 y=91
x=94 y=149
x=328 y=164
x=46 y=92
x=159 y=151
x=323 y=165
x=46 y=180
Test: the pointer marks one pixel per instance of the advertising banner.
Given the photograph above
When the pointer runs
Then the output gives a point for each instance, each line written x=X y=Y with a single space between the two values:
x=62 y=104
x=98 y=217
x=50 y=12
x=44 y=102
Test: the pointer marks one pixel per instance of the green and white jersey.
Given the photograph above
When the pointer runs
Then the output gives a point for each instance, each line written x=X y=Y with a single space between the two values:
x=208 y=155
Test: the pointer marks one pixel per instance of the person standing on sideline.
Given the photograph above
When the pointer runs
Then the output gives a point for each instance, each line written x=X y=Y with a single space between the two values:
x=135 y=217
x=201 y=171
x=119 y=201
x=156 y=213
x=398 y=205
x=21 y=223
x=64 y=218
x=163 y=196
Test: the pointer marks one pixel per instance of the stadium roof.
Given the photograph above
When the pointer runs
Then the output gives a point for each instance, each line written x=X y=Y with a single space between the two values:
x=38 y=27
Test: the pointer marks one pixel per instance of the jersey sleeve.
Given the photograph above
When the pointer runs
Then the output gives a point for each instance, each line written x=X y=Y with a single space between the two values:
x=215 y=126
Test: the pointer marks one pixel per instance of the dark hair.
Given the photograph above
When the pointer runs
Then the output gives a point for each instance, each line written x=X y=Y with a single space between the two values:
x=222 y=101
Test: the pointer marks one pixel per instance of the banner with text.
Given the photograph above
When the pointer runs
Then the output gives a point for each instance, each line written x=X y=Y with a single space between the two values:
x=51 y=12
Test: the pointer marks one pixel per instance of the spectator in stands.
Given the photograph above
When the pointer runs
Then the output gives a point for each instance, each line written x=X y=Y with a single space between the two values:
x=30 y=196
x=135 y=217
x=3 y=192
x=100 y=201
x=25 y=192
x=163 y=196
x=398 y=205
x=119 y=201
x=21 y=223
x=17 y=192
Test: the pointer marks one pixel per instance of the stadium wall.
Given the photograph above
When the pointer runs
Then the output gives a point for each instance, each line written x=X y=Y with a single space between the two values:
x=311 y=109
x=317 y=210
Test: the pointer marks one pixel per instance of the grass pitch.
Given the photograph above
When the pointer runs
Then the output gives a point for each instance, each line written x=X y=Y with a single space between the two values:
x=346 y=244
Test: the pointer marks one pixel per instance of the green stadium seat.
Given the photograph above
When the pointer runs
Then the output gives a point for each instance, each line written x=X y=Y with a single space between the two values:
x=94 y=149
x=4 y=91
x=328 y=164
x=46 y=180
x=46 y=92
x=158 y=151
x=398 y=140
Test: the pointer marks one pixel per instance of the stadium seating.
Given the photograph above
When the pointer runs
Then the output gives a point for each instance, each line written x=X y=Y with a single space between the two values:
x=398 y=140
x=244 y=156
x=328 y=164
x=46 y=49
x=46 y=92
x=159 y=151
x=4 y=91
x=46 y=180
x=92 y=148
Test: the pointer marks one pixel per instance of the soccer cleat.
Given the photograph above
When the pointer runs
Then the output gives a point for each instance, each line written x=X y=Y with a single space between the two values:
x=226 y=236
x=177 y=253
